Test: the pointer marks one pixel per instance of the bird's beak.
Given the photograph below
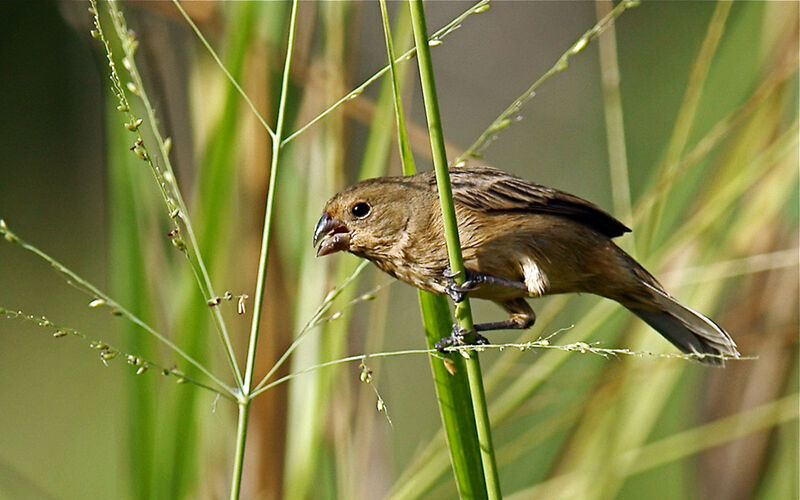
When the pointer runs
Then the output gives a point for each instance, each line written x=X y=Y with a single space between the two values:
x=330 y=235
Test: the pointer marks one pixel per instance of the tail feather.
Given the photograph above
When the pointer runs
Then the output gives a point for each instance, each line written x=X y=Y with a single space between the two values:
x=688 y=330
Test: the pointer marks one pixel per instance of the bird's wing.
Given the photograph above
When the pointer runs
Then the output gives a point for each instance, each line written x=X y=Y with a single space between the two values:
x=490 y=190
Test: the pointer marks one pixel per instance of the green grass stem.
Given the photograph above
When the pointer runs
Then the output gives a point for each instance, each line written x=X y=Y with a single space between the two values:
x=439 y=35
x=615 y=124
x=452 y=391
x=508 y=115
x=246 y=396
x=101 y=299
x=687 y=113
x=223 y=68
x=463 y=311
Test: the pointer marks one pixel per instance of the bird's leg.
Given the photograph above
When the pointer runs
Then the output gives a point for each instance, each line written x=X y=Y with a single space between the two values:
x=522 y=317
x=456 y=338
x=475 y=280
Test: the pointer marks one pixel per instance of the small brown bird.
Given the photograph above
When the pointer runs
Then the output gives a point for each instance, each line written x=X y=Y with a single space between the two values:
x=518 y=240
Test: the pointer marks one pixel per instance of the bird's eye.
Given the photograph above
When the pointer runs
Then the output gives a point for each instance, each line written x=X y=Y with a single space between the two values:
x=360 y=210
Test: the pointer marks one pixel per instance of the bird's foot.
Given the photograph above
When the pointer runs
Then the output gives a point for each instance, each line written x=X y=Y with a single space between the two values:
x=456 y=338
x=459 y=292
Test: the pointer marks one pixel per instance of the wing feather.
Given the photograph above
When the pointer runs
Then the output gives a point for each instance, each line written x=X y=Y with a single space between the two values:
x=491 y=190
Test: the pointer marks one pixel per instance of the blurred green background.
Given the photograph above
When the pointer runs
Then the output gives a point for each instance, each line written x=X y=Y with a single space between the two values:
x=72 y=428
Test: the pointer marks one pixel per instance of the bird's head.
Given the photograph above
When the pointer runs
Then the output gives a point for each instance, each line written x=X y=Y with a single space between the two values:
x=365 y=219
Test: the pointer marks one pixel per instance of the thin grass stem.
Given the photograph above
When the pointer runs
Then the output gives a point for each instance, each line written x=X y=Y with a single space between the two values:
x=540 y=344
x=246 y=396
x=615 y=124
x=406 y=157
x=508 y=115
x=439 y=35
x=222 y=67
x=103 y=299
x=165 y=176
x=108 y=352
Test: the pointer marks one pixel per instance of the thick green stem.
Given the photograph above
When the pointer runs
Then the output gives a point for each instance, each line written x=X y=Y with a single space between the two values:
x=453 y=393
x=463 y=311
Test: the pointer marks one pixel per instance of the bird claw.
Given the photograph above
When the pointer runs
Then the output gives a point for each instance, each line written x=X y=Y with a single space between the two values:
x=456 y=338
x=455 y=293
x=459 y=292
x=448 y=273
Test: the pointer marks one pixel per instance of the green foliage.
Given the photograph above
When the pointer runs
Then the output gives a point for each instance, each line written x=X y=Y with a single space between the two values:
x=579 y=405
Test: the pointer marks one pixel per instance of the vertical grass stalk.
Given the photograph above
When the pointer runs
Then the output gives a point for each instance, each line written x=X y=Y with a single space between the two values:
x=245 y=398
x=463 y=311
x=615 y=124
x=452 y=392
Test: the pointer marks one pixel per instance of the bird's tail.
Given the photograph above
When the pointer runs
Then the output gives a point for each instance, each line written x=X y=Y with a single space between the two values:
x=688 y=330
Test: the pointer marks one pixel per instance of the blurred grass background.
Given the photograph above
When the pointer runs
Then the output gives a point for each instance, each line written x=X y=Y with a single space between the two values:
x=581 y=425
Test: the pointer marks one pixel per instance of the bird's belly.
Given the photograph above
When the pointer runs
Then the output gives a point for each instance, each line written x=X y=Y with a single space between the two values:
x=425 y=277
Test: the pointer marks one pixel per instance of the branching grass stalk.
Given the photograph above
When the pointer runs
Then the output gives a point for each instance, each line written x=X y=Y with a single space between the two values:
x=439 y=35
x=507 y=117
x=315 y=320
x=246 y=396
x=165 y=177
x=222 y=67
x=463 y=311
x=108 y=352
x=103 y=299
